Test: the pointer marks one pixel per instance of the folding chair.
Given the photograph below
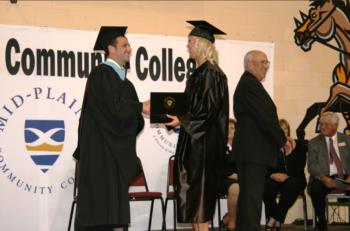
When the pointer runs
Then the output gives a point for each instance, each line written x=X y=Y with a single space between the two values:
x=75 y=193
x=170 y=193
x=219 y=198
x=303 y=197
x=335 y=199
x=146 y=195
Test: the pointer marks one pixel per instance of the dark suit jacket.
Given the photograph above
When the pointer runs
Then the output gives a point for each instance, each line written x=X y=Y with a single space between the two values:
x=258 y=136
x=318 y=154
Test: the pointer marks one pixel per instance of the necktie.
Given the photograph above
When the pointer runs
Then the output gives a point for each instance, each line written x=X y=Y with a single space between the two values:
x=333 y=157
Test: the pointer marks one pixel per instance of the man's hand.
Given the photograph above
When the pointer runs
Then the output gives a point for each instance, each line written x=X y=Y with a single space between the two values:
x=348 y=179
x=146 y=107
x=175 y=121
x=327 y=181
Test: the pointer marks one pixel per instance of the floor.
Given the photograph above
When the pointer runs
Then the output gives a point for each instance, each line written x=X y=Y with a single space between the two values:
x=291 y=227
x=335 y=227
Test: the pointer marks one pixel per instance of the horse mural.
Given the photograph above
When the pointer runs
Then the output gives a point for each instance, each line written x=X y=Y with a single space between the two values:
x=328 y=20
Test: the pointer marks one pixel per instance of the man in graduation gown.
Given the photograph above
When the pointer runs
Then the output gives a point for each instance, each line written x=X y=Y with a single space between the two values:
x=110 y=121
x=257 y=141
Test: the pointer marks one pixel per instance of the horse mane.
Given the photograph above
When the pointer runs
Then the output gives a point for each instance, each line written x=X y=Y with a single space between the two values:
x=343 y=5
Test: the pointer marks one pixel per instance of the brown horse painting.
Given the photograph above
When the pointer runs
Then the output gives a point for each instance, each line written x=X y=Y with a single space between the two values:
x=328 y=21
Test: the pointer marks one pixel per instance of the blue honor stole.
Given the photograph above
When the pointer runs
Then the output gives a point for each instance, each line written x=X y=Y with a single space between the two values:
x=116 y=68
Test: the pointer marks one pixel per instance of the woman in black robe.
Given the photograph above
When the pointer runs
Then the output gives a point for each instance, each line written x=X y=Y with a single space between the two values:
x=203 y=132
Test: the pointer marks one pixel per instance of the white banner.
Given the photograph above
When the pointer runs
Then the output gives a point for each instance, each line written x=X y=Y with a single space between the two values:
x=42 y=75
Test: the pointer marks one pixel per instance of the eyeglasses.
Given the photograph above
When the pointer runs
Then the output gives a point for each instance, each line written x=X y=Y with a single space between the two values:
x=263 y=62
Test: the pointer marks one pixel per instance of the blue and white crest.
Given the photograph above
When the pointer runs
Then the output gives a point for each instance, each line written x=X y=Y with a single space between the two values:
x=44 y=141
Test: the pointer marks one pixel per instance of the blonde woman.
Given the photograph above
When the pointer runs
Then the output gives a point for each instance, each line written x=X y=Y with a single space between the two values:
x=203 y=131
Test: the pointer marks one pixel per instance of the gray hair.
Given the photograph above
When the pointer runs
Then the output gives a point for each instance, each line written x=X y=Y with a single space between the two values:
x=333 y=117
x=248 y=58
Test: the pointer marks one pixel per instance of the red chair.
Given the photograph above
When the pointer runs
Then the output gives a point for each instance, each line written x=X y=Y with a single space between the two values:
x=146 y=195
x=75 y=193
x=170 y=194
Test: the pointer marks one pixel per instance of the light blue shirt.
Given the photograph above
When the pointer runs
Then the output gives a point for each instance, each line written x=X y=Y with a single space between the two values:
x=120 y=71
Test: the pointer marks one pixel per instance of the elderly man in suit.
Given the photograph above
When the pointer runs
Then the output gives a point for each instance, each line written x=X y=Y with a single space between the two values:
x=257 y=141
x=328 y=157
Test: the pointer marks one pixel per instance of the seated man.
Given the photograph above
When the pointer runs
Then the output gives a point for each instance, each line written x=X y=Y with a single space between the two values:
x=328 y=157
x=229 y=185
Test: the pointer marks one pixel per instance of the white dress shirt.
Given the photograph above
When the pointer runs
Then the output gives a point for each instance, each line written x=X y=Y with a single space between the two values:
x=332 y=168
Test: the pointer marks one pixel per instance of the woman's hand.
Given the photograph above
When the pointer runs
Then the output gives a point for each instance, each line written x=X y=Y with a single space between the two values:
x=279 y=177
x=289 y=146
x=175 y=121
x=328 y=182
x=234 y=176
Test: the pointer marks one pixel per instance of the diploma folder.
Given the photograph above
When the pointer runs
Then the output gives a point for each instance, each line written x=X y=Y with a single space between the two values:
x=162 y=103
x=341 y=184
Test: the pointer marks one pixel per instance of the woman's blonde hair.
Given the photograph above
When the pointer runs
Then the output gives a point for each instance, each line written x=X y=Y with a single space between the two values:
x=207 y=50
x=286 y=124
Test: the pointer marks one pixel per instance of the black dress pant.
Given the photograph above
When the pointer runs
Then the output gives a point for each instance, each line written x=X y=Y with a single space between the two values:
x=318 y=192
x=101 y=228
x=288 y=192
x=251 y=179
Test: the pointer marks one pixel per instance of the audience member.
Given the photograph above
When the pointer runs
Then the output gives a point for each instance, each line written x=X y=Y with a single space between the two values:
x=229 y=184
x=286 y=181
x=328 y=158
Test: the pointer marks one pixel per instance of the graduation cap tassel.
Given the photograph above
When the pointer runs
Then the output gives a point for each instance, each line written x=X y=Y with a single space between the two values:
x=126 y=67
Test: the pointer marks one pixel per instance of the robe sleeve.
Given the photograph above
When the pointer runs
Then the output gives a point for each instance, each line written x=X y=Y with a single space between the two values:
x=205 y=104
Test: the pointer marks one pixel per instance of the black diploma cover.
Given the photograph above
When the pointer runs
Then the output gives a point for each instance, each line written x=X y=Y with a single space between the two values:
x=172 y=103
x=341 y=184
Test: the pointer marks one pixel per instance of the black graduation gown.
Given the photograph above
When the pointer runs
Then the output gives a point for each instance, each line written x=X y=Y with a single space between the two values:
x=202 y=143
x=110 y=121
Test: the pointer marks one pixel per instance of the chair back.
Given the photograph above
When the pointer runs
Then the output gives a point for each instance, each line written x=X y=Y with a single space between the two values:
x=75 y=192
x=337 y=192
x=140 y=179
x=76 y=180
x=170 y=179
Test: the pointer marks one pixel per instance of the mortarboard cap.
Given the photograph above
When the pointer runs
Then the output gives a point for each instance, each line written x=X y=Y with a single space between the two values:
x=107 y=34
x=204 y=29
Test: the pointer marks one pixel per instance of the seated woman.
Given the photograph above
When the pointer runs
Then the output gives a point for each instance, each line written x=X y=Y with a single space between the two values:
x=287 y=180
x=229 y=185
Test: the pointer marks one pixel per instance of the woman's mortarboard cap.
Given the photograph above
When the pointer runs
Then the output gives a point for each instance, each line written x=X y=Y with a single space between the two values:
x=108 y=34
x=204 y=29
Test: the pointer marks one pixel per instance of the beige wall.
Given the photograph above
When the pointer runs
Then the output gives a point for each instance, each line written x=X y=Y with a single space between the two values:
x=300 y=78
